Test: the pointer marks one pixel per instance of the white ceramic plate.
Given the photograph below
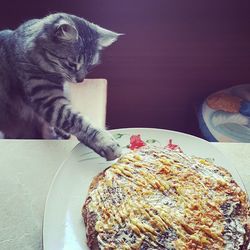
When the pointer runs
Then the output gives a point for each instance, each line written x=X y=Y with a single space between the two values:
x=63 y=227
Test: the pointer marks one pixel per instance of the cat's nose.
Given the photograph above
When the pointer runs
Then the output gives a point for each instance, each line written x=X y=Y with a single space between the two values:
x=80 y=79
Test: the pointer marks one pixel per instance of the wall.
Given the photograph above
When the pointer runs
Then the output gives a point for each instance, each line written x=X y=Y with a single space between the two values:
x=173 y=54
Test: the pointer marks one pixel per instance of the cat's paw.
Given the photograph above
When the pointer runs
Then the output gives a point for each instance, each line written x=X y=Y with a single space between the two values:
x=107 y=146
x=61 y=134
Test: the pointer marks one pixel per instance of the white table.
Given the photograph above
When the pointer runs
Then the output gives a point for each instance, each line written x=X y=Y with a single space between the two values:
x=26 y=171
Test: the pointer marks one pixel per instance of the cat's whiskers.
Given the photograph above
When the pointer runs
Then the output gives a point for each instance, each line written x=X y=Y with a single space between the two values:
x=28 y=64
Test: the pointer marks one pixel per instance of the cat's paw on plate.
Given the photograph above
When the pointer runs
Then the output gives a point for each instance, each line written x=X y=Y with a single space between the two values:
x=102 y=142
x=107 y=146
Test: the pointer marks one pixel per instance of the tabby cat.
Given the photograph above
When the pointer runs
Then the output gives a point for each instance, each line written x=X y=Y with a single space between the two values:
x=37 y=59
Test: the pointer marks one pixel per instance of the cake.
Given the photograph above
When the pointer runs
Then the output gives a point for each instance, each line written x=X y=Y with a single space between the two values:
x=156 y=198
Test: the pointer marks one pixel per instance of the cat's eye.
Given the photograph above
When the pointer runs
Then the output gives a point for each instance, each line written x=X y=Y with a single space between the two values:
x=72 y=65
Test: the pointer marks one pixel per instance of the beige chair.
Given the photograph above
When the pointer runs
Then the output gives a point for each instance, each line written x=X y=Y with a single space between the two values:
x=90 y=99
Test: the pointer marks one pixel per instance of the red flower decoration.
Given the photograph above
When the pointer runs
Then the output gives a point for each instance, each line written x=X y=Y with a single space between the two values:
x=136 y=142
x=171 y=146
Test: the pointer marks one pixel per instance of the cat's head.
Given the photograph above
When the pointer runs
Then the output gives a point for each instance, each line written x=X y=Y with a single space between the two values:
x=66 y=45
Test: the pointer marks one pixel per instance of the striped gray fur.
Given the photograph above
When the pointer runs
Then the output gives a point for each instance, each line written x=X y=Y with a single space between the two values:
x=37 y=59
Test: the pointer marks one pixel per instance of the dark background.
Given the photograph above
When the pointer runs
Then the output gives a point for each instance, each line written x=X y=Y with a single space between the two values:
x=174 y=53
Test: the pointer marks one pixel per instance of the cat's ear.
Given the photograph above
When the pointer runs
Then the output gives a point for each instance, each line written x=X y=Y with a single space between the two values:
x=66 y=31
x=106 y=37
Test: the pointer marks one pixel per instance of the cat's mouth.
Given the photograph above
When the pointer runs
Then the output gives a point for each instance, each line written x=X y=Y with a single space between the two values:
x=80 y=79
x=77 y=80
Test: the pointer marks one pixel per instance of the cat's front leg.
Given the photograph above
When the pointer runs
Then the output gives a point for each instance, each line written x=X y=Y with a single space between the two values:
x=49 y=102
x=100 y=141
